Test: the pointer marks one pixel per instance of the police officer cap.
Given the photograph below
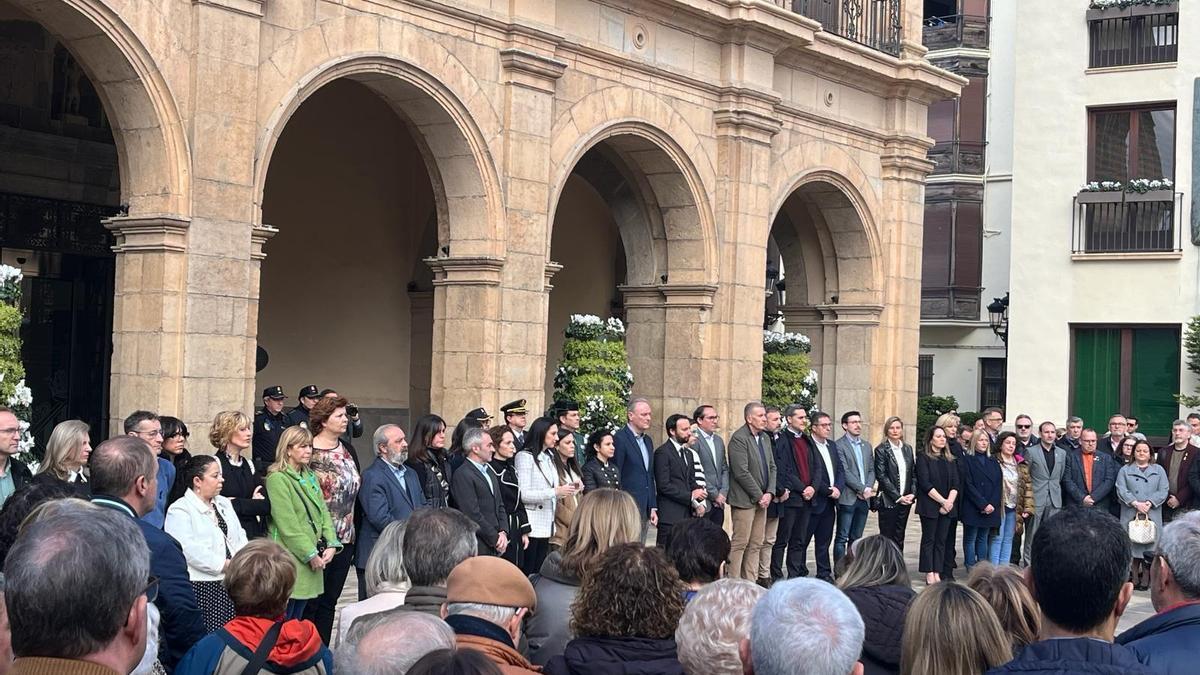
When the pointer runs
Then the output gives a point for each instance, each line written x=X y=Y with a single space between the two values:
x=309 y=391
x=275 y=392
x=565 y=406
x=479 y=415
x=516 y=407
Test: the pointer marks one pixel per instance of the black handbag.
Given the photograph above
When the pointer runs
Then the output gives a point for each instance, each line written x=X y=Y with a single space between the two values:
x=264 y=648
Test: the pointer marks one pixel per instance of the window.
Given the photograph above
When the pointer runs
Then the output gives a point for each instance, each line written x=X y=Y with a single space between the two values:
x=993 y=383
x=959 y=128
x=1128 y=369
x=951 y=267
x=925 y=375
x=1127 y=143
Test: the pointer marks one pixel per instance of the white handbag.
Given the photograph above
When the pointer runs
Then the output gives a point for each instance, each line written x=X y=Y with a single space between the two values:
x=1142 y=530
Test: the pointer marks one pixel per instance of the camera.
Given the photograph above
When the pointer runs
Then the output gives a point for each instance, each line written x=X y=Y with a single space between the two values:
x=351 y=410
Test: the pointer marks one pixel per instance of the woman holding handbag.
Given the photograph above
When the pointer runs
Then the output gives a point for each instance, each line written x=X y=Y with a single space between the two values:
x=300 y=519
x=1142 y=488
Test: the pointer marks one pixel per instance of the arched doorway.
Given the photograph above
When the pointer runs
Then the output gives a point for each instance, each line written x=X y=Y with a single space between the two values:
x=346 y=301
x=634 y=242
x=824 y=282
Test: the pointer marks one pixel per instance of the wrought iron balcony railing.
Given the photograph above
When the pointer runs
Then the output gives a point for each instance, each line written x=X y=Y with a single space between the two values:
x=1134 y=36
x=874 y=23
x=966 y=157
x=1120 y=222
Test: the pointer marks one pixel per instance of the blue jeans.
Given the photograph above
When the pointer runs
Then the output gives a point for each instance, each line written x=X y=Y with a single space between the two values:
x=851 y=520
x=975 y=544
x=295 y=609
x=1002 y=545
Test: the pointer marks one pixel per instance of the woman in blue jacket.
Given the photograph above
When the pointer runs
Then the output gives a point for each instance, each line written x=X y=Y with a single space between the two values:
x=983 y=485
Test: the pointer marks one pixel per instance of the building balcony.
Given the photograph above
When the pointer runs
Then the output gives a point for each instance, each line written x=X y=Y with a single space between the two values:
x=874 y=23
x=958 y=157
x=1138 y=35
x=950 y=303
x=955 y=32
x=1127 y=222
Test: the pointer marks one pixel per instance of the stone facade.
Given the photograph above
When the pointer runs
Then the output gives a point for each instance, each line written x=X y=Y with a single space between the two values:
x=721 y=112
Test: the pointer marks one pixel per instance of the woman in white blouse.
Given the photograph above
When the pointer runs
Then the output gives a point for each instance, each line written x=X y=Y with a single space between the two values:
x=894 y=469
x=540 y=489
x=206 y=526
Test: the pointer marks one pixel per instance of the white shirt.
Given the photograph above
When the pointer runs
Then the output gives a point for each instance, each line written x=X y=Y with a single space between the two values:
x=711 y=445
x=898 y=453
x=823 y=448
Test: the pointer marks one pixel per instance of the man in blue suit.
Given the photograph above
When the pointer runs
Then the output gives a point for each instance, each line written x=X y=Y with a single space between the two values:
x=123 y=477
x=828 y=481
x=390 y=492
x=635 y=461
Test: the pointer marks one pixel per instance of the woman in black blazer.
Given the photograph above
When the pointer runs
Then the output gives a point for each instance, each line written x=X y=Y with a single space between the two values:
x=896 y=472
x=600 y=471
x=937 y=500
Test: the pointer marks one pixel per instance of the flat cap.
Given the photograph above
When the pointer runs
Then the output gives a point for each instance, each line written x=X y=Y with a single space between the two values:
x=490 y=580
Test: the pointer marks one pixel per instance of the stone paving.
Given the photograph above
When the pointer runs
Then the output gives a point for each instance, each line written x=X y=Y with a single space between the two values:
x=1138 y=610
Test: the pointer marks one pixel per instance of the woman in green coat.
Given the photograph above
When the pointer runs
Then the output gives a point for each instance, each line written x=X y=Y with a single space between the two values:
x=299 y=518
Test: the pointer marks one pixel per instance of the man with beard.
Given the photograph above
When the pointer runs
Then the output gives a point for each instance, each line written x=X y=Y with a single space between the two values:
x=390 y=492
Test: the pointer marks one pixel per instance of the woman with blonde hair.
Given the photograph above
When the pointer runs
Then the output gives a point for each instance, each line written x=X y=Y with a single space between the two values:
x=952 y=423
x=951 y=630
x=231 y=434
x=1004 y=589
x=299 y=517
x=605 y=517
x=873 y=575
x=895 y=469
x=983 y=487
x=937 y=502
x=66 y=457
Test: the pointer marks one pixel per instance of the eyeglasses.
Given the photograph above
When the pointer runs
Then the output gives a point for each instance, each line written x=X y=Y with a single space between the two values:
x=1024 y=426
x=822 y=424
x=13 y=431
x=153 y=433
x=712 y=417
x=151 y=590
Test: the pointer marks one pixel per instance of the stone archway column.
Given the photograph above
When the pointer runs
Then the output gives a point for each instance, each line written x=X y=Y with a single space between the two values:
x=148 y=320
x=811 y=321
x=420 y=362
x=466 y=334
x=849 y=334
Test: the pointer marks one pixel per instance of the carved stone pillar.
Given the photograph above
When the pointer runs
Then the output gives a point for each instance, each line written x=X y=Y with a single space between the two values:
x=466 y=333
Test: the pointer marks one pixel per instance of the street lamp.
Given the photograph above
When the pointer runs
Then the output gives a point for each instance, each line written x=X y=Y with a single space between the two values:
x=998 y=317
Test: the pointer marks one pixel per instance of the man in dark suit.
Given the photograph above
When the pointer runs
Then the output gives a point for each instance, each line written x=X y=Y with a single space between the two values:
x=514 y=418
x=680 y=495
x=111 y=463
x=711 y=449
x=829 y=480
x=794 y=461
x=476 y=492
x=751 y=488
x=390 y=491
x=1091 y=476
x=635 y=460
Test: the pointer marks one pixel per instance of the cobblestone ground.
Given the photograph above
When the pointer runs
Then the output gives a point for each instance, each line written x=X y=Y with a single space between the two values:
x=1138 y=610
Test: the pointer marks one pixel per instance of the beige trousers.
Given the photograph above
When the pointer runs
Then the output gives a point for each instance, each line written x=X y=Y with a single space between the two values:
x=749 y=527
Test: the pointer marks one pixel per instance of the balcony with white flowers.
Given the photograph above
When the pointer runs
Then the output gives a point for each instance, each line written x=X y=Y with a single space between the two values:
x=1140 y=216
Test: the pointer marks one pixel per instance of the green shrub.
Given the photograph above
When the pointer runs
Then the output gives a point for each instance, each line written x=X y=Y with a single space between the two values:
x=1191 y=346
x=594 y=371
x=13 y=392
x=929 y=408
x=787 y=375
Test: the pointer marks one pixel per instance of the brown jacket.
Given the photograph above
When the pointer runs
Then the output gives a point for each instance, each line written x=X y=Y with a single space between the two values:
x=47 y=666
x=508 y=659
x=1024 y=494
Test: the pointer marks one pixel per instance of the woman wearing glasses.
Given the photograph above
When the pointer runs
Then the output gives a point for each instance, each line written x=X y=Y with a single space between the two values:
x=175 y=439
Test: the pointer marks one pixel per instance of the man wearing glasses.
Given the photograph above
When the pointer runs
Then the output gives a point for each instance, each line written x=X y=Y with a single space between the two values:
x=145 y=425
x=711 y=449
x=13 y=472
x=993 y=419
x=1025 y=437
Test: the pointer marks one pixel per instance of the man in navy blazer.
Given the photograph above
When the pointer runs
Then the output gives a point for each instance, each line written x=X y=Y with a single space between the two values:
x=635 y=460
x=828 y=482
x=182 y=622
x=1103 y=479
x=390 y=492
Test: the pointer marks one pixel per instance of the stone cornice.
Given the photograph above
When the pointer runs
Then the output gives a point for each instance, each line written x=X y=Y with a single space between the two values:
x=259 y=234
x=669 y=296
x=860 y=315
x=747 y=113
x=466 y=271
x=552 y=268
x=905 y=158
x=529 y=69
x=251 y=8
x=151 y=233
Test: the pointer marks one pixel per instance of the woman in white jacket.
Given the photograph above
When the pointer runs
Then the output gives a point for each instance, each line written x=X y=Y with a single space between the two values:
x=206 y=526
x=540 y=489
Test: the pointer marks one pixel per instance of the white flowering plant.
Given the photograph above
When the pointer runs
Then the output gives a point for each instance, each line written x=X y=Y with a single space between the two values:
x=787 y=376
x=1138 y=185
x=14 y=393
x=594 y=371
x=1124 y=4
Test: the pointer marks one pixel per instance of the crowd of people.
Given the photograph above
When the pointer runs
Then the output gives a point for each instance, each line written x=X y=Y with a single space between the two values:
x=522 y=547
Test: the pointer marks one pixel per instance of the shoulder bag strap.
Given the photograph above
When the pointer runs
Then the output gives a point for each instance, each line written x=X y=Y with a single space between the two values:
x=264 y=648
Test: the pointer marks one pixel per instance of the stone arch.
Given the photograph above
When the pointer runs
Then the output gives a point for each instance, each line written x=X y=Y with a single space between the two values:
x=465 y=181
x=152 y=150
x=666 y=167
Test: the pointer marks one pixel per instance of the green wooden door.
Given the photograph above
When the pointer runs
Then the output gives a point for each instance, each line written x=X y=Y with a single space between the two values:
x=1154 y=379
x=1097 y=389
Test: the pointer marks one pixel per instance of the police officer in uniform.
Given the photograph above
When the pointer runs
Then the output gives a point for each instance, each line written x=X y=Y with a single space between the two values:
x=567 y=412
x=514 y=418
x=269 y=424
x=308 y=398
